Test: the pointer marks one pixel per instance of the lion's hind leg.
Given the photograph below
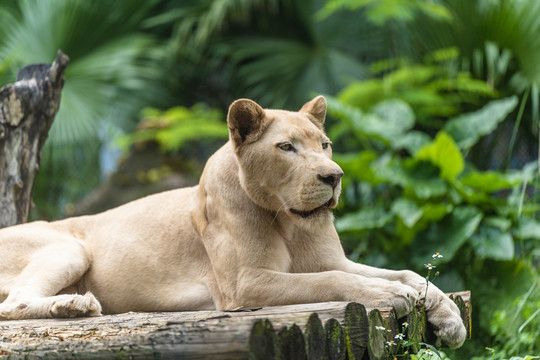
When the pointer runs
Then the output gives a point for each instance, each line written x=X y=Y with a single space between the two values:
x=33 y=292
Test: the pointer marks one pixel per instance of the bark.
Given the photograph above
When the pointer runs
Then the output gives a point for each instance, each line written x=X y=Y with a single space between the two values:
x=27 y=111
x=339 y=330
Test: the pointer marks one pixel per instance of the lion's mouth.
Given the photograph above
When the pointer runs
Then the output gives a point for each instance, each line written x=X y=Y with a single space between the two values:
x=307 y=213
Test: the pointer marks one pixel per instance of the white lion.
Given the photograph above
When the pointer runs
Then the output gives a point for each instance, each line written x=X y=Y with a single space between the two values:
x=256 y=231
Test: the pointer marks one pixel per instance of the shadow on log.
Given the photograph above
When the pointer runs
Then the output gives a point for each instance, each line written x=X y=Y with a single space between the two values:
x=332 y=330
x=27 y=111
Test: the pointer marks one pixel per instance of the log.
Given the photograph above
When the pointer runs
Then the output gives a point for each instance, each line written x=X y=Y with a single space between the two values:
x=27 y=111
x=338 y=330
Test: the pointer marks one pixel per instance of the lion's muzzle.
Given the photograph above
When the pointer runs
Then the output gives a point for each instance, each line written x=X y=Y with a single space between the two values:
x=331 y=179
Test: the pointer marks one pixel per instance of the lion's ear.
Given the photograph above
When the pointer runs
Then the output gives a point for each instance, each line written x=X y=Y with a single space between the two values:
x=247 y=121
x=317 y=109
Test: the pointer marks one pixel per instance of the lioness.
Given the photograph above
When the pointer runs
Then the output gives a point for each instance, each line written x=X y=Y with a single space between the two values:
x=258 y=230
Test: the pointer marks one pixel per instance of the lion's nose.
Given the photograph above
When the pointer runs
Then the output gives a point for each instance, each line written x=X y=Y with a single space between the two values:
x=331 y=179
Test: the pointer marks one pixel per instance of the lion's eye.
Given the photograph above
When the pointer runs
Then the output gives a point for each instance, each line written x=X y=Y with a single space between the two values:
x=286 y=146
x=325 y=145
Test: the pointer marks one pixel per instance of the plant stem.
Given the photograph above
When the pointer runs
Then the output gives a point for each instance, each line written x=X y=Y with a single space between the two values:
x=516 y=126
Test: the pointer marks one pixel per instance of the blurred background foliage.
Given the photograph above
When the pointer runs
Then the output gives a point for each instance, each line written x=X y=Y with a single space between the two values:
x=433 y=109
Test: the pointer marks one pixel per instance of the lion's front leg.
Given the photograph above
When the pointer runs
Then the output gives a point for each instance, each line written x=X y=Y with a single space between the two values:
x=442 y=312
x=261 y=287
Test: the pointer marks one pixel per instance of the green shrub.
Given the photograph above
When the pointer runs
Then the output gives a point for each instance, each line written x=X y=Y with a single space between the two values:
x=408 y=193
x=173 y=128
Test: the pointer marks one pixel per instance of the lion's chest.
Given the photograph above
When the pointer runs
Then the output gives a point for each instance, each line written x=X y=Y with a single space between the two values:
x=301 y=256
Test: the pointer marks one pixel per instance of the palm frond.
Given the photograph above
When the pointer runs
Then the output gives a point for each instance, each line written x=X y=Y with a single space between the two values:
x=109 y=58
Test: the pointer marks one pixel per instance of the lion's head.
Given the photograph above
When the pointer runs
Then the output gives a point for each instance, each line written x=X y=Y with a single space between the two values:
x=285 y=157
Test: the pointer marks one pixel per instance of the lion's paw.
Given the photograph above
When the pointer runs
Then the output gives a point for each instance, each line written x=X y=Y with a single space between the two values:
x=75 y=305
x=448 y=324
x=393 y=294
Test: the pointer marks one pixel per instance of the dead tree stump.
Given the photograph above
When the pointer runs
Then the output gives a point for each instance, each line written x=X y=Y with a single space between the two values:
x=27 y=111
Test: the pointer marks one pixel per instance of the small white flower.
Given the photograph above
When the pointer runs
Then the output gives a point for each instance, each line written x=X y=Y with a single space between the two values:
x=436 y=255
x=428 y=352
x=399 y=336
x=429 y=266
x=380 y=328
x=391 y=343
x=405 y=324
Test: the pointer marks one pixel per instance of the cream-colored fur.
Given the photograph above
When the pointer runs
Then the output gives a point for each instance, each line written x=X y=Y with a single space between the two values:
x=256 y=231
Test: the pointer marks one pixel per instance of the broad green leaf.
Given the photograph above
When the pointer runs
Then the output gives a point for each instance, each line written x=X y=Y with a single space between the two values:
x=498 y=222
x=448 y=235
x=467 y=129
x=492 y=243
x=411 y=141
x=362 y=94
x=491 y=181
x=358 y=165
x=407 y=211
x=174 y=138
x=389 y=121
x=528 y=229
x=391 y=170
x=427 y=188
x=475 y=197
x=444 y=153
x=365 y=219
x=397 y=114
x=172 y=128
x=435 y=211
x=415 y=180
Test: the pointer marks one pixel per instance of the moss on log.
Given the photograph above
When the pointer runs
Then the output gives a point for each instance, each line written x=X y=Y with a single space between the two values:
x=335 y=340
x=291 y=344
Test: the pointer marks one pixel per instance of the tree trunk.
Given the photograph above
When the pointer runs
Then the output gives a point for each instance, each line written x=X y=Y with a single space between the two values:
x=27 y=111
x=331 y=330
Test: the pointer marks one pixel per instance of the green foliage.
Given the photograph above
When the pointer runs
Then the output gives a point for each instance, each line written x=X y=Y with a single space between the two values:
x=443 y=153
x=381 y=11
x=174 y=127
x=114 y=69
x=408 y=193
x=429 y=195
x=433 y=91
x=497 y=41
x=467 y=129
x=516 y=328
x=273 y=51
x=111 y=63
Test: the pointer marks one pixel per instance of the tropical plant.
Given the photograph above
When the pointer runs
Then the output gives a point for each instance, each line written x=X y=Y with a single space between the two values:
x=516 y=328
x=382 y=11
x=113 y=72
x=495 y=41
x=273 y=51
x=408 y=194
x=176 y=127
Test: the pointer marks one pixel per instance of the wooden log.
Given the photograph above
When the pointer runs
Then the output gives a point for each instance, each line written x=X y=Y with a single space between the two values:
x=335 y=340
x=356 y=331
x=292 y=345
x=379 y=334
x=27 y=111
x=315 y=338
x=263 y=341
x=463 y=301
x=203 y=334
